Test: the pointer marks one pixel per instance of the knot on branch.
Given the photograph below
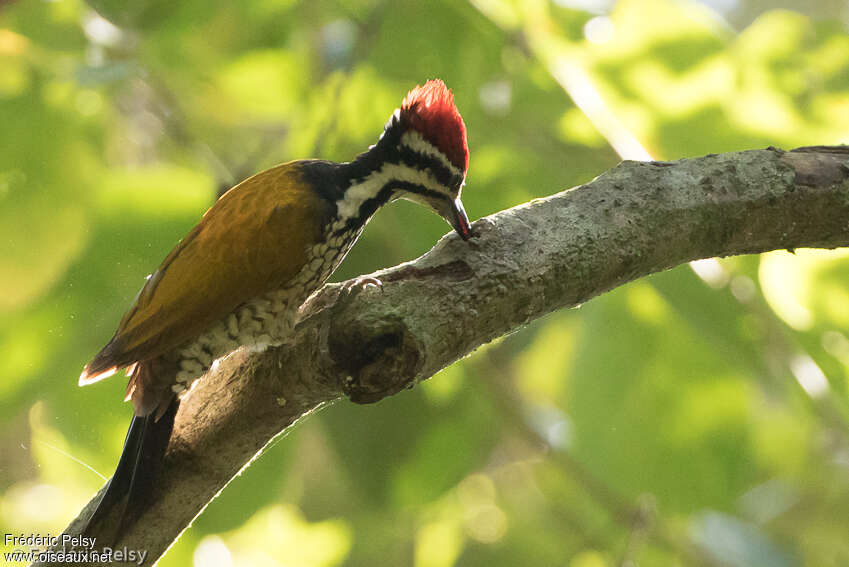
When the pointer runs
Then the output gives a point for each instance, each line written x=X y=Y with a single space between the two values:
x=377 y=358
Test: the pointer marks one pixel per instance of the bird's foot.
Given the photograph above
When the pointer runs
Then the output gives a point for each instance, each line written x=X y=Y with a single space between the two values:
x=356 y=285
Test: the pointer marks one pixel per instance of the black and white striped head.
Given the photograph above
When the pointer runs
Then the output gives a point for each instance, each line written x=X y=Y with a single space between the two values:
x=421 y=156
x=433 y=143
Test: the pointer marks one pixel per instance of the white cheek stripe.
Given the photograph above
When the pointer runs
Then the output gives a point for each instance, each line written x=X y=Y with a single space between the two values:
x=356 y=195
x=417 y=143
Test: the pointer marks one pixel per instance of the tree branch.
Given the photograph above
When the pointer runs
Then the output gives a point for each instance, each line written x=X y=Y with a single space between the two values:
x=525 y=262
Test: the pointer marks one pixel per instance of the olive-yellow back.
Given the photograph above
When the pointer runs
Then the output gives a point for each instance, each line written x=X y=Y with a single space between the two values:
x=251 y=241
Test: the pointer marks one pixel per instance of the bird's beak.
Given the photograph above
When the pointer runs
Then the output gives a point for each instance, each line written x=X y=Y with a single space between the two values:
x=456 y=216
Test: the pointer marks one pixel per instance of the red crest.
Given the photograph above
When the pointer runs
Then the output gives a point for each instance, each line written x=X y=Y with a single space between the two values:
x=430 y=110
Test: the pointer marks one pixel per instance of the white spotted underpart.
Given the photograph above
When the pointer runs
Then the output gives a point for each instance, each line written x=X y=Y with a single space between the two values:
x=266 y=320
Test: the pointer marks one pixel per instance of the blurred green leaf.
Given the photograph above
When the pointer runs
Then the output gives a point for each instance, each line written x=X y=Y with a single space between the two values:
x=735 y=543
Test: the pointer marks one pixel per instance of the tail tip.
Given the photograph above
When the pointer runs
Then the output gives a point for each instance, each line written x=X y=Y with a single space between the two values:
x=88 y=377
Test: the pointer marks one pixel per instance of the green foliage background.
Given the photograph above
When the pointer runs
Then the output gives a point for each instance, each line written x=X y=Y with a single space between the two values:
x=697 y=417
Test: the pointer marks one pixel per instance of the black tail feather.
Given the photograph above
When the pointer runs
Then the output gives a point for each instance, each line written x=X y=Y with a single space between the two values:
x=131 y=485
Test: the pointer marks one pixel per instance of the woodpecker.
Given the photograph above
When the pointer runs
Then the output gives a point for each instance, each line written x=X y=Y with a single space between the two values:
x=240 y=275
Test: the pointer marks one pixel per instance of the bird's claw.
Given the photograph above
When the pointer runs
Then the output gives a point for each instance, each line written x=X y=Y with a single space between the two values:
x=359 y=284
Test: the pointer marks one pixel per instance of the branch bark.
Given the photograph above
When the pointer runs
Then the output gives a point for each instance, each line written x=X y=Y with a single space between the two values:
x=525 y=262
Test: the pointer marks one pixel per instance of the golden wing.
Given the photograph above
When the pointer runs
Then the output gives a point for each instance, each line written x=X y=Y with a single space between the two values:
x=251 y=241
